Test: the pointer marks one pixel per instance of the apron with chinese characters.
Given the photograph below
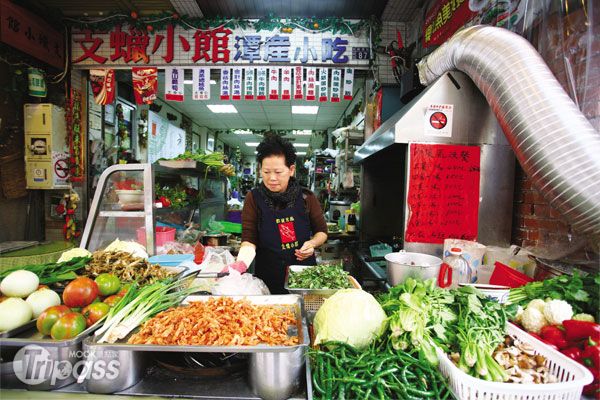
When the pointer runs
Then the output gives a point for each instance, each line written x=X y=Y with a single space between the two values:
x=280 y=233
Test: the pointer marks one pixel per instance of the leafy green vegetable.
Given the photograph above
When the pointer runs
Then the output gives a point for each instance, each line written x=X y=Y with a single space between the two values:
x=419 y=315
x=581 y=292
x=52 y=272
x=319 y=277
x=422 y=316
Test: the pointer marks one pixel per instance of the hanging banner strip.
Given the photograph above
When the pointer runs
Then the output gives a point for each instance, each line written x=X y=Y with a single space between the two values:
x=201 y=82
x=348 y=83
x=261 y=83
x=323 y=84
x=145 y=84
x=225 y=84
x=273 y=83
x=336 y=83
x=249 y=84
x=298 y=82
x=311 y=83
x=174 y=84
x=286 y=83
x=103 y=85
x=236 y=82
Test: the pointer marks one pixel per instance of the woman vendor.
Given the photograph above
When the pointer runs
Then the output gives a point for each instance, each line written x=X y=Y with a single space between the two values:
x=282 y=223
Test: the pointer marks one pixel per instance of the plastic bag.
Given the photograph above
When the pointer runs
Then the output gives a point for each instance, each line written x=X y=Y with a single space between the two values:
x=214 y=226
x=215 y=259
x=240 y=284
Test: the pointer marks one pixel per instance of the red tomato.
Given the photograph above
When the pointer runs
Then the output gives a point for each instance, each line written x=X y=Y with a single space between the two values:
x=80 y=292
x=68 y=326
x=112 y=300
x=49 y=317
x=94 y=312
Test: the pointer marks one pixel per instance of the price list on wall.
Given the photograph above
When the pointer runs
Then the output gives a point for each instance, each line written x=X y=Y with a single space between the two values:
x=443 y=193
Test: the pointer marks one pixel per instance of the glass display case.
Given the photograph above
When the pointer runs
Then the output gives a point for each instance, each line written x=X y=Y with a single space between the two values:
x=127 y=203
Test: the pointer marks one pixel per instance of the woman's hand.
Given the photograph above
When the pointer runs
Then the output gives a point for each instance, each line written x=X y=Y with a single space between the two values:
x=307 y=250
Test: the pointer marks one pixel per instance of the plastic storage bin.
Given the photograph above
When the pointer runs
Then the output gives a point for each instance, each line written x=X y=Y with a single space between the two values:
x=163 y=234
x=504 y=275
x=572 y=377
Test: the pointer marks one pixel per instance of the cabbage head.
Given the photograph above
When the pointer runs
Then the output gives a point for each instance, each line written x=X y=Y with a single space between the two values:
x=352 y=316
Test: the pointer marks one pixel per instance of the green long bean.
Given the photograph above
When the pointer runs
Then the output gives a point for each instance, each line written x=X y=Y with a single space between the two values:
x=343 y=372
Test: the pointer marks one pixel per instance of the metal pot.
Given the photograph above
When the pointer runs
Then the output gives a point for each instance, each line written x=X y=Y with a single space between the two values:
x=216 y=239
x=403 y=265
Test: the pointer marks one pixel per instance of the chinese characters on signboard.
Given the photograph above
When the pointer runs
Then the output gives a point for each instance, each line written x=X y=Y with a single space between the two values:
x=443 y=193
x=445 y=18
x=127 y=45
x=31 y=34
x=201 y=82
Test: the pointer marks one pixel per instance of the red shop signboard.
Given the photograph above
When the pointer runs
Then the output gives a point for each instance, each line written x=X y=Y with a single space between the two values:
x=443 y=19
x=31 y=34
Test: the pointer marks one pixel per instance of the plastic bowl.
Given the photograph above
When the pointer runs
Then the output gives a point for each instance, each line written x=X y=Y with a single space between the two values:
x=163 y=234
x=130 y=196
x=496 y=292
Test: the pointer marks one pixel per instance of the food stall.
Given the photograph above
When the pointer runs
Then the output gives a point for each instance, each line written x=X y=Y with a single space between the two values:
x=156 y=335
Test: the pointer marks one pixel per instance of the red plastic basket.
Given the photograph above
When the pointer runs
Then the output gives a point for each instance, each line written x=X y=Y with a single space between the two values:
x=163 y=234
x=507 y=276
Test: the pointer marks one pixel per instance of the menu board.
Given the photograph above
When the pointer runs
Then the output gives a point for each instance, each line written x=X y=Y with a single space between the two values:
x=165 y=140
x=443 y=193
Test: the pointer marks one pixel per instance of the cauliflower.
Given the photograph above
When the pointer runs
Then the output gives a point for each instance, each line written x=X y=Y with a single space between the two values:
x=537 y=303
x=556 y=311
x=584 y=317
x=519 y=314
x=533 y=320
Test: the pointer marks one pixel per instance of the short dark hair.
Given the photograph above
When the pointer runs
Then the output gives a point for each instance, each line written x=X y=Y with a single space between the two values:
x=275 y=145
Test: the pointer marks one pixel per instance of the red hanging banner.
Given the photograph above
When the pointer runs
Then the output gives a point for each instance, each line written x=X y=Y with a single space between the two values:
x=145 y=84
x=445 y=18
x=443 y=193
x=103 y=85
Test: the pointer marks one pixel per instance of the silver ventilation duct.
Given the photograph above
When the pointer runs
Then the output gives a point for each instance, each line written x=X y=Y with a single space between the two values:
x=555 y=144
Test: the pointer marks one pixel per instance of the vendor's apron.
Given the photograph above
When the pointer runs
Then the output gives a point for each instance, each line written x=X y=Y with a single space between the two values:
x=280 y=233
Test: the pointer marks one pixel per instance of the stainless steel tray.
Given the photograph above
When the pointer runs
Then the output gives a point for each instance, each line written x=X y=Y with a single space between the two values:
x=18 y=329
x=305 y=291
x=58 y=351
x=31 y=336
x=299 y=329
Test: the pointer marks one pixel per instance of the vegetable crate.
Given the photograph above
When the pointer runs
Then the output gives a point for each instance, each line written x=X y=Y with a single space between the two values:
x=571 y=375
x=314 y=298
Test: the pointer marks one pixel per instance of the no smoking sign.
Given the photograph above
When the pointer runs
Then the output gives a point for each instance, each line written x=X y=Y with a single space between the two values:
x=438 y=120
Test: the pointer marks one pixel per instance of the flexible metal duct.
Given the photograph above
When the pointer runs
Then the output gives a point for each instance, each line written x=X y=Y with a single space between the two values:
x=556 y=145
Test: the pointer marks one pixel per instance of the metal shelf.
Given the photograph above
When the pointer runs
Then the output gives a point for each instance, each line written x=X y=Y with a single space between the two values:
x=122 y=214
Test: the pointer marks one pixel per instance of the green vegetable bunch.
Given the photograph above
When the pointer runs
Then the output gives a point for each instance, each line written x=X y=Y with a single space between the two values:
x=344 y=372
x=52 y=272
x=320 y=277
x=422 y=316
x=419 y=315
x=481 y=327
x=581 y=292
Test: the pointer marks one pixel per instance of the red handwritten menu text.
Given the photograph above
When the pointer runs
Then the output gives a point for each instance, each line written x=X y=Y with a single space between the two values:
x=443 y=193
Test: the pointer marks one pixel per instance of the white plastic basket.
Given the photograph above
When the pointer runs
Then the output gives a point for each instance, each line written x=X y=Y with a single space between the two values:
x=572 y=377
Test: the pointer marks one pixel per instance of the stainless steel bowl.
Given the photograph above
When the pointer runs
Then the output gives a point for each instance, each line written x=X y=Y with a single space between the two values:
x=403 y=265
